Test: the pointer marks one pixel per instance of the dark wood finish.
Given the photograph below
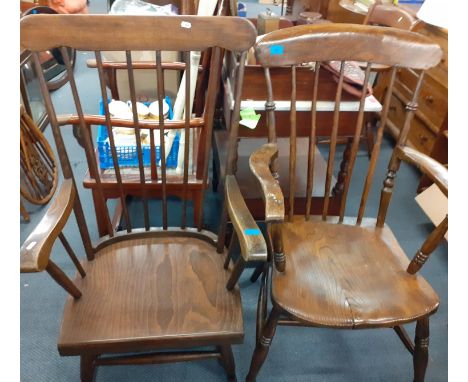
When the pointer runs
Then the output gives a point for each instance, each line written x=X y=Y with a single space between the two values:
x=71 y=254
x=340 y=271
x=35 y=251
x=421 y=346
x=253 y=246
x=62 y=279
x=173 y=275
x=337 y=266
x=189 y=302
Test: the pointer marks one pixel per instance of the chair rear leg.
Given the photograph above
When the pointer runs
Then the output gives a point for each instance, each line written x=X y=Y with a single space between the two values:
x=263 y=344
x=421 y=349
x=228 y=363
x=87 y=368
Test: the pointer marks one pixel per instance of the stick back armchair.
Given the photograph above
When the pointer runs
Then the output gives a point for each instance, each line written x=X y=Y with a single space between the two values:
x=142 y=290
x=344 y=272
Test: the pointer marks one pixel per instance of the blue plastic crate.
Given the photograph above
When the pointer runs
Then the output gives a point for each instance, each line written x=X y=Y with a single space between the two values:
x=127 y=156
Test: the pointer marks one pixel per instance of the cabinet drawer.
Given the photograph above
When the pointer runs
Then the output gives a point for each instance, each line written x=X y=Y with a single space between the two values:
x=432 y=100
x=420 y=136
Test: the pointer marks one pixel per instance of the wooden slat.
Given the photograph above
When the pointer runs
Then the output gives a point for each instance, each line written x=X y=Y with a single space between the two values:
x=196 y=33
x=347 y=42
x=71 y=254
x=160 y=87
x=131 y=81
x=356 y=140
x=140 y=65
x=210 y=104
x=334 y=134
x=187 y=113
x=376 y=149
x=312 y=139
x=118 y=122
x=110 y=134
x=88 y=142
x=292 y=145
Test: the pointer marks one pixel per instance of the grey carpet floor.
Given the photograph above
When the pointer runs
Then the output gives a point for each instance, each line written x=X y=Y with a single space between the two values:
x=297 y=354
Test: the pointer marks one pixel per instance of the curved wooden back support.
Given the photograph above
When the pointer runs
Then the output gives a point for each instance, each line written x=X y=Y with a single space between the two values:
x=319 y=44
x=98 y=33
x=347 y=42
x=116 y=32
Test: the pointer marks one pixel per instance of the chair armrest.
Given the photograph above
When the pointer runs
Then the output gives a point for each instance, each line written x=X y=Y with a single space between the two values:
x=35 y=251
x=251 y=240
x=433 y=169
x=259 y=163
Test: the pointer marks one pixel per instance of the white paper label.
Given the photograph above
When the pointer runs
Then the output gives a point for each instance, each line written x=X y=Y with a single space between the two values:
x=186 y=24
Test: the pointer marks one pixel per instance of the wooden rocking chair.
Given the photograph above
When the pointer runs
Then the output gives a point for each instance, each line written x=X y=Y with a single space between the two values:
x=143 y=290
x=338 y=271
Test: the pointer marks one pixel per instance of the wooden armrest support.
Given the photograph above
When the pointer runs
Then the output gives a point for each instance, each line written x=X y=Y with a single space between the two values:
x=91 y=63
x=433 y=169
x=251 y=240
x=259 y=163
x=35 y=251
x=428 y=247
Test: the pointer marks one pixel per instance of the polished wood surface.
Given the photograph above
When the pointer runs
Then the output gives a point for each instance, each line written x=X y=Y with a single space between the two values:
x=353 y=277
x=197 y=34
x=179 y=282
x=428 y=166
x=143 y=289
x=35 y=250
x=341 y=271
x=413 y=50
x=253 y=247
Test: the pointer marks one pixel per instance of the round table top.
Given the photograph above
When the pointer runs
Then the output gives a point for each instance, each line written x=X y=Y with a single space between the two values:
x=351 y=6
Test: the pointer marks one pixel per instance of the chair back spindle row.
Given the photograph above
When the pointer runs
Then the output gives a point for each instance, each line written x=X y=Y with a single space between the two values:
x=184 y=34
x=317 y=45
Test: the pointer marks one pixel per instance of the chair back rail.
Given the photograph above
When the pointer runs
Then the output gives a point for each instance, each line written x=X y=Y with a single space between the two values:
x=96 y=33
x=320 y=44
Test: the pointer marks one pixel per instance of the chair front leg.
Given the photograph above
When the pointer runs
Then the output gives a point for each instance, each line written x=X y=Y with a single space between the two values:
x=227 y=359
x=421 y=349
x=87 y=367
x=263 y=344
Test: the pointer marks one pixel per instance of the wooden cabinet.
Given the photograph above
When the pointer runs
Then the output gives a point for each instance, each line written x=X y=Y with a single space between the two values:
x=432 y=101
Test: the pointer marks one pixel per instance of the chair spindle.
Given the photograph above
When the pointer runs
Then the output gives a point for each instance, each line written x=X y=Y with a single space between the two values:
x=312 y=140
x=131 y=81
x=110 y=134
x=334 y=134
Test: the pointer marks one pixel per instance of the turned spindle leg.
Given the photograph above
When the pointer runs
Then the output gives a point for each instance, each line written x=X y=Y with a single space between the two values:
x=421 y=349
x=263 y=344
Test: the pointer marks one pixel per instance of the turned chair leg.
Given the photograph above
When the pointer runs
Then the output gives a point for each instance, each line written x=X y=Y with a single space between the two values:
x=87 y=368
x=421 y=349
x=263 y=344
x=228 y=363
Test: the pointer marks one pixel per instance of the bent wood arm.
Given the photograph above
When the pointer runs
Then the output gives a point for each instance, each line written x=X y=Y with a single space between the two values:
x=433 y=169
x=35 y=251
x=259 y=163
x=246 y=231
x=251 y=240
x=439 y=175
